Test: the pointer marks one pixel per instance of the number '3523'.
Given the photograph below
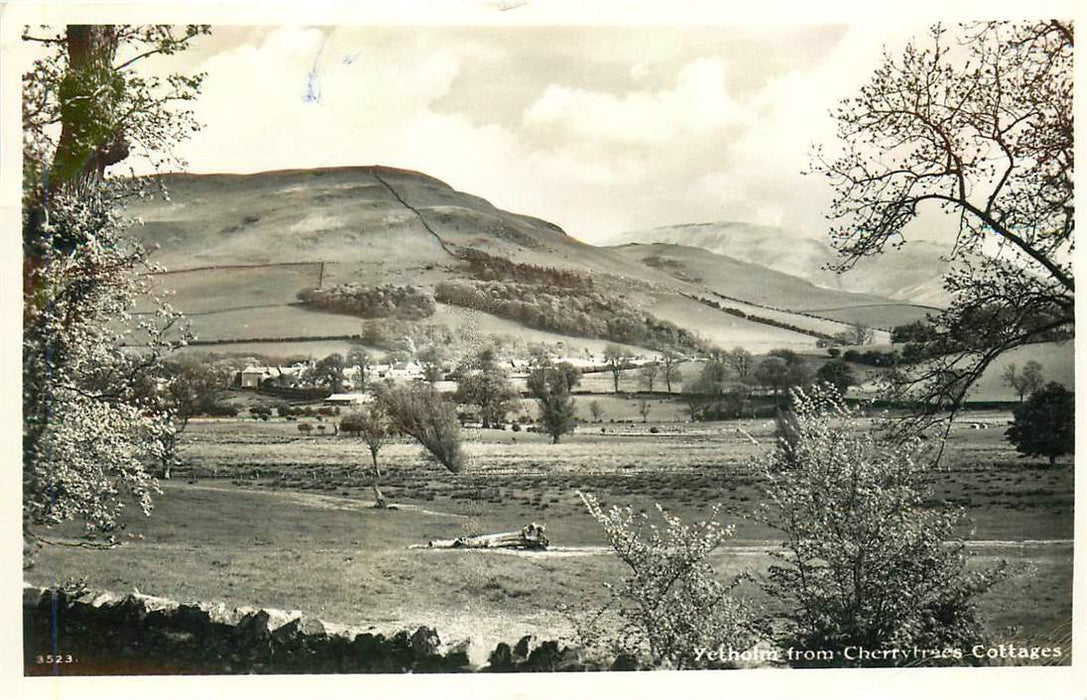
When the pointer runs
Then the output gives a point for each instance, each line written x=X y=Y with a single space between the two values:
x=54 y=659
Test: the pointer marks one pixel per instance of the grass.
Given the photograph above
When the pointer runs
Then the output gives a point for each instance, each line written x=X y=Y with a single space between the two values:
x=286 y=524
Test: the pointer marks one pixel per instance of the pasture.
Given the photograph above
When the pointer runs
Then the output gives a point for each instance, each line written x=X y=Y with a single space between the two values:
x=262 y=515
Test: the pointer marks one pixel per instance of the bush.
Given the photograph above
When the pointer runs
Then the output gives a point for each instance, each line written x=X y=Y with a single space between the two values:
x=516 y=427
x=864 y=562
x=654 y=430
x=305 y=428
x=1045 y=425
x=672 y=603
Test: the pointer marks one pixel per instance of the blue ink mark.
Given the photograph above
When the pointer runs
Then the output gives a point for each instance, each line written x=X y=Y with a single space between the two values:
x=313 y=79
x=350 y=58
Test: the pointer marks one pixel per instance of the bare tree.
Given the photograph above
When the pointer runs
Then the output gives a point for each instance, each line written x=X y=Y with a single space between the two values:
x=616 y=359
x=643 y=410
x=1026 y=382
x=648 y=374
x=857 y=334
x=672 y=373
x=983 y=134
x=373 y=424
x=741 y=362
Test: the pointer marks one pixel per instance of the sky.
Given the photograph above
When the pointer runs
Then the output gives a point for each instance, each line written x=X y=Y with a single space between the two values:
x=597 y=129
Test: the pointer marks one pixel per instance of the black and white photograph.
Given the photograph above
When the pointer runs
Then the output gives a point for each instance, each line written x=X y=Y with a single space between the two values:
x=502 y=341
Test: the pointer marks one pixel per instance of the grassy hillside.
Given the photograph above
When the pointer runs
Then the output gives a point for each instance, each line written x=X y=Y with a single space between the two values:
x=240 y=249
x=913 y=273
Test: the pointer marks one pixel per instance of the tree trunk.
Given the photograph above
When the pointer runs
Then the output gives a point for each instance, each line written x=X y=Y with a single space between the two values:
x=379 y=498
x=89 y=139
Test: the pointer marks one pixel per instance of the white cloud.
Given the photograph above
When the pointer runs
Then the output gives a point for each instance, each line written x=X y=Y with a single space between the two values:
x=596 y=157
x=698 y=102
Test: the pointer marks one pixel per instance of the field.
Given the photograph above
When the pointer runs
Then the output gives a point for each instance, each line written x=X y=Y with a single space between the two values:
x=261 y=515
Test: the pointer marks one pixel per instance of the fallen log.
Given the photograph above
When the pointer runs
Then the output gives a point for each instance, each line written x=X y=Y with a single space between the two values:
x=530 y=536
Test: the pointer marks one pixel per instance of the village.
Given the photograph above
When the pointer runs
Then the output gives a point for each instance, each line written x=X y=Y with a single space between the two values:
x=348 y=387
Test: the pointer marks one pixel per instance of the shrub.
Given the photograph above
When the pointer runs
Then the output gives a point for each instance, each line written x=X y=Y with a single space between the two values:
x=672 y=603
x=1045 y=425
x=305 y=428
x=864 y=562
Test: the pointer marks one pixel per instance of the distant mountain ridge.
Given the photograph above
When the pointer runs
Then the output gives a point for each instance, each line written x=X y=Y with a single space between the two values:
x=913 y=273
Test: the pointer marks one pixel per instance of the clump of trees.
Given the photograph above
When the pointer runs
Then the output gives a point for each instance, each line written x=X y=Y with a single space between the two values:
x=865 y=561
x=672 y=603
x=1045 y=424
x=407 y=302
x=550 y=385
x=483 y=266
x=485 y=384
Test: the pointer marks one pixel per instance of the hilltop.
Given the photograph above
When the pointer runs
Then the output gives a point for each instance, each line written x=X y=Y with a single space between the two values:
x=239 y=250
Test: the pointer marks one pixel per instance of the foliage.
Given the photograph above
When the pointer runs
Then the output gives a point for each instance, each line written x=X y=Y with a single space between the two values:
x=432 y=358
x=489 y=388
x=1045 y=425
x=483 y=266
x=865 y=562
x=583 y=313
x=359 y=359
x=596 y=410
x=380 y=301
x=672 y=602
x=88 y=83
x=1025 y=382
x=418 y=410
x=329 y=372
x=982 y=133
x=916 y=332
x=89 y=429
x=838 y=374
x=550 y=385
x=90 y=424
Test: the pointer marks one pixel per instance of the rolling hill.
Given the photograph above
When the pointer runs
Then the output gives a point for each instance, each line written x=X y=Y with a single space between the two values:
x=913 y=273
x=239 y=249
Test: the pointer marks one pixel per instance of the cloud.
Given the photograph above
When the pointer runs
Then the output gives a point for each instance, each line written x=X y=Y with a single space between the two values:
x=696 y=104
x=637 y=135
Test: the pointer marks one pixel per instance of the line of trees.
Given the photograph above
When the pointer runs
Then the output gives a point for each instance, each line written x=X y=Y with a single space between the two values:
x=590 y=314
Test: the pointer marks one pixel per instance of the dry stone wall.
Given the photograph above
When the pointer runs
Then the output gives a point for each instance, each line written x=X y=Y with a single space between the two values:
x=100 y=633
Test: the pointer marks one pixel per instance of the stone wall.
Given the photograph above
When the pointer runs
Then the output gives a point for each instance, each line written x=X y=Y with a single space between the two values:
x=98 y=633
